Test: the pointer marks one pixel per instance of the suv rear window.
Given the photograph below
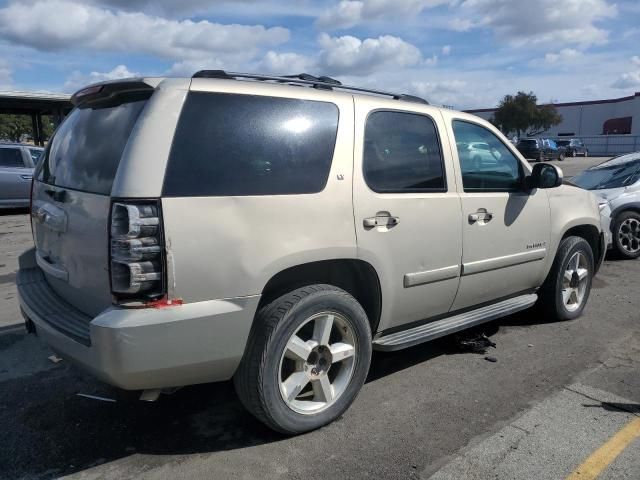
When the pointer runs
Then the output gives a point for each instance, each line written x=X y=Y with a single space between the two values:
x=528 y=143
x=85 y=151
x=236 y=145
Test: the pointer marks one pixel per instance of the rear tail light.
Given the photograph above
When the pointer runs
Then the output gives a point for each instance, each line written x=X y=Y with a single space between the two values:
x=137 y=251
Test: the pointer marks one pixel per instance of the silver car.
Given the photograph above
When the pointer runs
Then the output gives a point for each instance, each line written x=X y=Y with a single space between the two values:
x=17 y=162
x=276 y=230
x=617 y=184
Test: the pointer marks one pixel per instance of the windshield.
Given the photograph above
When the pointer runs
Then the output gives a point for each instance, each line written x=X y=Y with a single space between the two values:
x=609 y=175
x=85 y=152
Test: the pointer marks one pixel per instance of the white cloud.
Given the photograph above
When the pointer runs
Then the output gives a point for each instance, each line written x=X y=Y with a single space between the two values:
x=51 y=25
x=78 y=80
x=630 y=79
x=544 y=22
x=282 y=63
x=565 y=57
x=452 y=92
x=350 y=55
x=446 y=50
x=348 y=13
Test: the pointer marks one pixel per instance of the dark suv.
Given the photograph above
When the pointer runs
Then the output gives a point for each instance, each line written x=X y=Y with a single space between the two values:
x=573 y=147
x=540 y=149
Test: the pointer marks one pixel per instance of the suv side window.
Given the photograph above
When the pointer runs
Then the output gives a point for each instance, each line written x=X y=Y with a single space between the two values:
x=402 y=153
x=238 y=145
x=501 y=172
x=11 y=157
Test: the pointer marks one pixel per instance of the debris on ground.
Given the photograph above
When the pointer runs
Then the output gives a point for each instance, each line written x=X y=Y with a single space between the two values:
x=95 y=397
x=473 y=342
x=54 y=358
x=491 y=359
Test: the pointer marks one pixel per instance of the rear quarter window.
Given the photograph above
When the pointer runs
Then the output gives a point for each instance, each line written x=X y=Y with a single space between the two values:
x=238 y=145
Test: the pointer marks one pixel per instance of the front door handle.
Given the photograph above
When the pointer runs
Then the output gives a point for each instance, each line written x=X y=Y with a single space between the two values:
x=382 y=219
x=481 y=216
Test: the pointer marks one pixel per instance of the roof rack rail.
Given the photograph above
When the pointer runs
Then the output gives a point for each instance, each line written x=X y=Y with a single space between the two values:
x=323 y=82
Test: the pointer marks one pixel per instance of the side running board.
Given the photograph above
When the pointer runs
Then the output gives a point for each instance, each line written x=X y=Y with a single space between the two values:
x=440 y=328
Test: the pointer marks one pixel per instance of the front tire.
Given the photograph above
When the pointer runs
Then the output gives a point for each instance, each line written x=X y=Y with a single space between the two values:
x=626 y=234
x=307 y=358
x=566 y=290
x=561 y=157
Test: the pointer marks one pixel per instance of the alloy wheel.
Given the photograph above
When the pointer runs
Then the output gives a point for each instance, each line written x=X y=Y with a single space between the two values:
x=574 y=281
x=317 y=363
x=629 y=235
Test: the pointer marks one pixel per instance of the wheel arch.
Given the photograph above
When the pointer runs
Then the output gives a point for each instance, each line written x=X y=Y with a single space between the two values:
x=357 y=277
x=627 y=207
x=592 y=235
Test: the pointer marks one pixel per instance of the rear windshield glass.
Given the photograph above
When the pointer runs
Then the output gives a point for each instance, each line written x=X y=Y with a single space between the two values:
x=233 y=145
x=527 y=143
x=85 y=151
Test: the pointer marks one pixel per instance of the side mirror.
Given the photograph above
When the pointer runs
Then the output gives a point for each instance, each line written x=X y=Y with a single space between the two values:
x=544 y=175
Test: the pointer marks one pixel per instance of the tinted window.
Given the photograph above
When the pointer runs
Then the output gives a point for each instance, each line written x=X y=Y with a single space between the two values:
x=11 y=157
x=528 y=143
x=85 y=152
x=250 y=145
x=402 y=153
x=500 y=170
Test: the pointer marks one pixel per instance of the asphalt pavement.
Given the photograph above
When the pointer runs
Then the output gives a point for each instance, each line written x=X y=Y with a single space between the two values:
x=560 y=395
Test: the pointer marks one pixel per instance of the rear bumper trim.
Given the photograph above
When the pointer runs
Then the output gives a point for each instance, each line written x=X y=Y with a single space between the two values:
x=40 y=301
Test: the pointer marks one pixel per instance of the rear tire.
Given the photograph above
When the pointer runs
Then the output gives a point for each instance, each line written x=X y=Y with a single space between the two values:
x=307 y=358
x=561 y=157
x=565 y=292
x=574 y=153
x=626 y=234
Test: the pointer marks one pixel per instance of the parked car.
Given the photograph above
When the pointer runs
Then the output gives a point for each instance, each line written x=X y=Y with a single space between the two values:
x=540 y=149
x=201 y=229
x=573 y=147
x=617 y=183
x=17 y=162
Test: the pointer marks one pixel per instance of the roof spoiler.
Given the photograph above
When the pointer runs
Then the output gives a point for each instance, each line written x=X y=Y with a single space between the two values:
x=107 y=90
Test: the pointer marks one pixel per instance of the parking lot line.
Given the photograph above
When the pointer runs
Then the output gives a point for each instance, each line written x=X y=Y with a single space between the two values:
x=593 y=466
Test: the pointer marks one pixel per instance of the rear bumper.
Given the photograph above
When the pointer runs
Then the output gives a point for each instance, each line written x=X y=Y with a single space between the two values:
x=140 y=348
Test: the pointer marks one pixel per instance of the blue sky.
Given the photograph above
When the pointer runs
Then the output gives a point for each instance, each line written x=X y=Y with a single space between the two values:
x=462 y=53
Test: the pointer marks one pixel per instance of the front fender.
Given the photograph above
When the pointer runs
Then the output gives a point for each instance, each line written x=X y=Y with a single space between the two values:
x=570 y=207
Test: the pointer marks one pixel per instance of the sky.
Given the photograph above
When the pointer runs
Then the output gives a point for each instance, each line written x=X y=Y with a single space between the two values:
x=460 y=53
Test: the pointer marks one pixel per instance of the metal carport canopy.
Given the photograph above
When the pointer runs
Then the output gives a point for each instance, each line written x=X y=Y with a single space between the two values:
x=36 y=104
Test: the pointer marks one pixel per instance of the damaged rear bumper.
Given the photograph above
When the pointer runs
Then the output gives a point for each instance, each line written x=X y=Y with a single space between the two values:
x=140 y=348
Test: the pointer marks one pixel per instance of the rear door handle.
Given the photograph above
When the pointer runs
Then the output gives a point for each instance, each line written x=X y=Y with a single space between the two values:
x=382 y=219
x=480 y=216
x=26 y=177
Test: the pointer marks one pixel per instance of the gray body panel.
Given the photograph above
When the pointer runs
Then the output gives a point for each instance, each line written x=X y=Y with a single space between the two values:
x=15 y=182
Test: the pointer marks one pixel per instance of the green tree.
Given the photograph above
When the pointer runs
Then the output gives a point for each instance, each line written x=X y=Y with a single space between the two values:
x=12 y=127
x=520 y=113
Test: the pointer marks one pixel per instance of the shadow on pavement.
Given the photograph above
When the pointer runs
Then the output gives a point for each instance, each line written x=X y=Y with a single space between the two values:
x=49 y=431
